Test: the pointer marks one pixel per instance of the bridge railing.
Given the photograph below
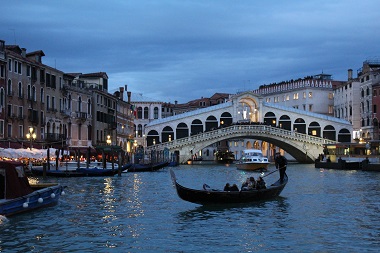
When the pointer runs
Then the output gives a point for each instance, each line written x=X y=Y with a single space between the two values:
x=244 y=130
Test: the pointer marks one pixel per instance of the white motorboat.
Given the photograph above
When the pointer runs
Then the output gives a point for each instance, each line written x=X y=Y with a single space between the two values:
x=253 y=159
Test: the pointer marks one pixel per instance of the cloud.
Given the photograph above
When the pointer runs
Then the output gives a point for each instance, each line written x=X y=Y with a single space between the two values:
x=183 y=50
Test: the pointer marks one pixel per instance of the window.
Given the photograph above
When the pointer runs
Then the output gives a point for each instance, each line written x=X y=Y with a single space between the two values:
x=287 y=98
x=9 y=65
x=2 y=71
x=331 y=109
x=374 y=93
x=304 y=94
x=47 y=102
x=20 y=112
x=19 y=90
x=42 y=95
x=155 y=112
x=21 y=131
x=1 y=127
x=295 y=96
x=9 y=88
x=28 y=70
x=310 y=94
x=374 y=109
x=331 y=95
x=9 y=131
x=310 y=108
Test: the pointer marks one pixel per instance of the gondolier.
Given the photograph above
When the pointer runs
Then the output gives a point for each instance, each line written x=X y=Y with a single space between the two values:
x=281 y=162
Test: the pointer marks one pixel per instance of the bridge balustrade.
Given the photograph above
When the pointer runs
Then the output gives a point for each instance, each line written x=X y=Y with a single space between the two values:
x=242 y=130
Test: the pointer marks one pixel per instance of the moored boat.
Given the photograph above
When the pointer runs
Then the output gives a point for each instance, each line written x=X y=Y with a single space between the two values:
x=207 y=197
x=81 y=172
x=18 y=196
x=253 y=159
x=147 y=167
x=225 y=157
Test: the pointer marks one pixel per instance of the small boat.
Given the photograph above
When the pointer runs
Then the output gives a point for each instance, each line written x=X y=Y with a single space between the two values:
x=253 y=159
x=212 y=196
x=81 y=172
x=224 y=157
x=18 y=196
x=147 y=167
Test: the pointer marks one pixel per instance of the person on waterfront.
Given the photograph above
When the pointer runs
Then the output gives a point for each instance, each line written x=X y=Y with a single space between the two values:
x=281 y=162
x=227 y=187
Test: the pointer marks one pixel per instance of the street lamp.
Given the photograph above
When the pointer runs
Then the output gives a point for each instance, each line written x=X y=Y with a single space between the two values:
x=108 y=140
x=31 y=136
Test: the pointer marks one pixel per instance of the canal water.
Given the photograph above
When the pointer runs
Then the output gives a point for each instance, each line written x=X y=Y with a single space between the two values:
x=318 y=211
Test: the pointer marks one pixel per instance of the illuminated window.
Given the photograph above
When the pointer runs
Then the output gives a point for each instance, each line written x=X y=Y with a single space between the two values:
x=310 y=94
x=295 y=96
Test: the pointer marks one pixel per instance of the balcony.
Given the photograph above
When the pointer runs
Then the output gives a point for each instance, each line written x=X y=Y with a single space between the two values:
x=55 y=137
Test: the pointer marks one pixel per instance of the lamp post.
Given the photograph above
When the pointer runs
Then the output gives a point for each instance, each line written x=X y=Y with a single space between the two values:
x=108 y=140
x=31 y=136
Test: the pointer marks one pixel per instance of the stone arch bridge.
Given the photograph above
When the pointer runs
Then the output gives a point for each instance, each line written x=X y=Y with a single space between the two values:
x=300 y=133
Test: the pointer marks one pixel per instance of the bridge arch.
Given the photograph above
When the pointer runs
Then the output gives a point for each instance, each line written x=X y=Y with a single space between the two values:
x=314 y=129
x=226 y=119
x=329 y=132
x=211 y=123
x=196 y=127
x=167 y=134
x=299 y=126
x=270 y=119
x=285 y=122
x=344 y=135
x=182 y=131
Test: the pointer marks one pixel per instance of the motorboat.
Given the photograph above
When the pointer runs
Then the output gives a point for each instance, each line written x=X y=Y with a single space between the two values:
x=253 y=159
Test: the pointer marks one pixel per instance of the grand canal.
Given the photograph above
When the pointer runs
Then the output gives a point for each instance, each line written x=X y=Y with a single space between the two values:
x=318 y=211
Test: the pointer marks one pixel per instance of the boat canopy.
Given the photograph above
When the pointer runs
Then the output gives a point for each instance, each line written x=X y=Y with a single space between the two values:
x=13 y=182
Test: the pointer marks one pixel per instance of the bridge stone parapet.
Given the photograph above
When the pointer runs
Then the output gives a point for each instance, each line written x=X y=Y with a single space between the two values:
x=303 y=147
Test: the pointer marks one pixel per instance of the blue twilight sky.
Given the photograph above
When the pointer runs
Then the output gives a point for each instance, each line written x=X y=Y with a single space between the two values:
x=181 y=50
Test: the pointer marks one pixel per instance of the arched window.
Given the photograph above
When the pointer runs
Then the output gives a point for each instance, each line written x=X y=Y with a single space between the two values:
x=20 y=90
x=79 y=104
x=146 y=113
x=29 y=92
x=42 y=95
x=89 y=106
x=2 y=97
x=155 y=112
x=34 y=95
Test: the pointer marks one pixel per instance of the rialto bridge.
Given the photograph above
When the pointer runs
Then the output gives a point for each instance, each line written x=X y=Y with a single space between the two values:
x=246 y=115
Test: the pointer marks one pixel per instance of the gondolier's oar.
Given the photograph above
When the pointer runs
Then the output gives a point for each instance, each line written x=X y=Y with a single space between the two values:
x=270 y=173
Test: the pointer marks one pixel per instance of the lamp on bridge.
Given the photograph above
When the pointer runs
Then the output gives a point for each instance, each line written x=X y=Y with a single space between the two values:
x=31 y=136
x=108 y=140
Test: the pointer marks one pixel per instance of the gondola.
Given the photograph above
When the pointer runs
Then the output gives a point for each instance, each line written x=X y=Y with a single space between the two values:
x=81 y=172
x=147 y=167
x=209 y=196
x=17 y=195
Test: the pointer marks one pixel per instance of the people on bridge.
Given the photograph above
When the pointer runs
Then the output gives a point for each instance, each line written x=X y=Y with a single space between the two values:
x=281 y=162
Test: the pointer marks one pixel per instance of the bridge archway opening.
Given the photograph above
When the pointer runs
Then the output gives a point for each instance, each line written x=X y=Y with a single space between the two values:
x=314 y=129
x=211 y=123
x=226 y=119
x=344 y=135
x=329 y=132
x=167 y=134
x=299 y=126
x=182 y=131
x=285 y=122
x=152 y=138
x=196 y=127
x=270 y=119
x=247 y=108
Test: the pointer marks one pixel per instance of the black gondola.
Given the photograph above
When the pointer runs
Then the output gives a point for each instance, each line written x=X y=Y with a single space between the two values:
x=81 y=172
x=205 y=197
x=147 y=167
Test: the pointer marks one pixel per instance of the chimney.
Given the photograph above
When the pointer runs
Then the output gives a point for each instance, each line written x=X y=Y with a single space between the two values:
x=121 y=93
x=129 y=96
x=350 y=74
x=23 y=52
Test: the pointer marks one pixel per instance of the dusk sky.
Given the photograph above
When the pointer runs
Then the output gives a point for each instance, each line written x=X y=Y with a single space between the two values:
x=183 y=50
